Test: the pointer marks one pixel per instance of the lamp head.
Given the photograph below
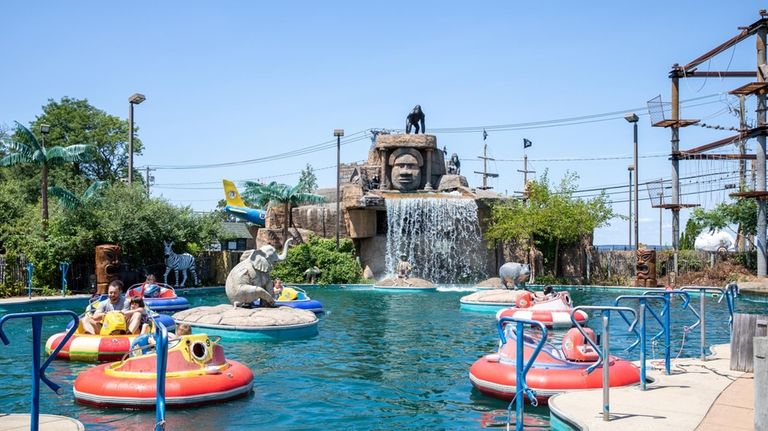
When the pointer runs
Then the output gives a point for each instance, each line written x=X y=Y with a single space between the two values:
x=631 y=168
x=136 y=98
x=45 y=128
x=338 y=132
x=631 y=117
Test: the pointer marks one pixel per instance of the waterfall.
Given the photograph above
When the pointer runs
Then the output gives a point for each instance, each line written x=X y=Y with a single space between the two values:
x=440 y=236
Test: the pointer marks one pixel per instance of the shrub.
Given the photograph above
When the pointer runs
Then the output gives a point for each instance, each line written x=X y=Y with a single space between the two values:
x=336 y=267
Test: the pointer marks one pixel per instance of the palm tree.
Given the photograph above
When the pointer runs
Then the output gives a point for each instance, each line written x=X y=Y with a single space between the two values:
x=30 y=151
x=275 y=193
x=71 y=201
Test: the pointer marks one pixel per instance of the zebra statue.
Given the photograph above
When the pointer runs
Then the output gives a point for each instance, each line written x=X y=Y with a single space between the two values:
x=177 y=262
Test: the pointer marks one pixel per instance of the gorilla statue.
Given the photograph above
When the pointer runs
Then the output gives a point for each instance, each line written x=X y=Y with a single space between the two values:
x=415 y=118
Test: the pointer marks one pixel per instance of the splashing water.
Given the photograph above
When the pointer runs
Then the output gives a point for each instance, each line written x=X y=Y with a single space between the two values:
x=441 y=238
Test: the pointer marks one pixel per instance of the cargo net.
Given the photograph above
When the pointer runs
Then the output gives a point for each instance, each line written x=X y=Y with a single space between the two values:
x=656 y=193
x=658 y=110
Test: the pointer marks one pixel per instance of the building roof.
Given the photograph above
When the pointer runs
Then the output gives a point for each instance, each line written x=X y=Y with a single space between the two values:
x=234 y=230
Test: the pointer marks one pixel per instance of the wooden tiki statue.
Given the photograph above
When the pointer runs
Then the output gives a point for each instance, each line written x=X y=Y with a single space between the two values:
x=107 y=265
x=646 y=268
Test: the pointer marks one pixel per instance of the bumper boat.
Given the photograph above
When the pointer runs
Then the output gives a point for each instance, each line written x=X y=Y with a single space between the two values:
x=296 y=298
x=554 y=371
x=197 y=373
x=158 y=296
x=553 y=311
x=111 y=344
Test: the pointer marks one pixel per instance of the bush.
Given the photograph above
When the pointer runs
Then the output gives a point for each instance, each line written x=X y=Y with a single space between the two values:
x=336 y=267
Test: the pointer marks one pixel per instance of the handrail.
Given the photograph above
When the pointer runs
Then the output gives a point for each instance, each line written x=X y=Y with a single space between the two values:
x=38 y=372
x=161 y=348
x=730 y=291
x=64 y=268
x=667 y=313
x=664 y=329
x=603 y=354
x=520 y=370
x=30 y=269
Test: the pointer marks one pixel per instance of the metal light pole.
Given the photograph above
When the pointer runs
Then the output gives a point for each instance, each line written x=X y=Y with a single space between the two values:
x=633 y=118
x=630 y=168
x=338 y=133
x=135 y=99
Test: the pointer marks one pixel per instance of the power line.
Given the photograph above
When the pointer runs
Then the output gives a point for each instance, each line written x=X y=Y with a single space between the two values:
x=364 y=134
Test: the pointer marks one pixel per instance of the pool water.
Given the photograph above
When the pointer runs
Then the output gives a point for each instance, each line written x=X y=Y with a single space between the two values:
x=381 y=361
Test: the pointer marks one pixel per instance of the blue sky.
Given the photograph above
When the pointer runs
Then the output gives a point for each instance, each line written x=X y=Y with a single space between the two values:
x=233 y=81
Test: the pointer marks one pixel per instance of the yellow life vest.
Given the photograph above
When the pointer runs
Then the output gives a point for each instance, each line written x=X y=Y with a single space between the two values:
x=288 y=294
x=113 y=323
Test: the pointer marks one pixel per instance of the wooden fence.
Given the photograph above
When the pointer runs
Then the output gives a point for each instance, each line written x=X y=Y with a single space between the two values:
x=745 y=328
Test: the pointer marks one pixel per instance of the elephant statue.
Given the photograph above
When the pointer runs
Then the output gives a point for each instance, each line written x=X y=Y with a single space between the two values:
x=515 y=274
x=249 y=280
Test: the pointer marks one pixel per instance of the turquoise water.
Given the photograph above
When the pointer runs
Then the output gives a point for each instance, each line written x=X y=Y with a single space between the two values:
x=381 y=361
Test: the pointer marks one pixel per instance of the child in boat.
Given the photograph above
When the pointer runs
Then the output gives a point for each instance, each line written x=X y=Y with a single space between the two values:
x=140 y=325
x=147 y=341
x=278 y=287
x=149 y=288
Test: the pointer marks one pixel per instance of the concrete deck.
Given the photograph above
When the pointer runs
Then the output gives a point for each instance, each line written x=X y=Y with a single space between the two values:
x=20 y=422
x=699 y=394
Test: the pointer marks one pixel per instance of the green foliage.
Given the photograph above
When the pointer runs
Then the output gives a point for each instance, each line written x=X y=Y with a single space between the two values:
x=308 y=179
x=24 y=148
x=550 y=216
x=76 y=121
x=123 y=215
x=740 y=213
x=692 y=230
x=336 y=267
x=70 y=200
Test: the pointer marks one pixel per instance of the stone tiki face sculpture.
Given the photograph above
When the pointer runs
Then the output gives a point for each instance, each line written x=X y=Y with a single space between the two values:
x=646 y=268
x=249 y=280
x=107 y=265
x=514 y=274
x=406 y=169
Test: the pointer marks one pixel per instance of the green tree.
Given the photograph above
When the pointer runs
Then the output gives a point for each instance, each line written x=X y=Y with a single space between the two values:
x=549 y=216
x=77 y=121
x=274 y=193
x=26 y=149
x=309 y=179
x=741 y=213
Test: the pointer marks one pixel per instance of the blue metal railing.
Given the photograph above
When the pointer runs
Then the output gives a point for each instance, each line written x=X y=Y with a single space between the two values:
x=644 y=309
x=522 y=390
x=38 y=372
x=30 y=269
x=603 y=354
x=161 y=348
x=666 y=313
x=730 y=292
x=64 y=268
